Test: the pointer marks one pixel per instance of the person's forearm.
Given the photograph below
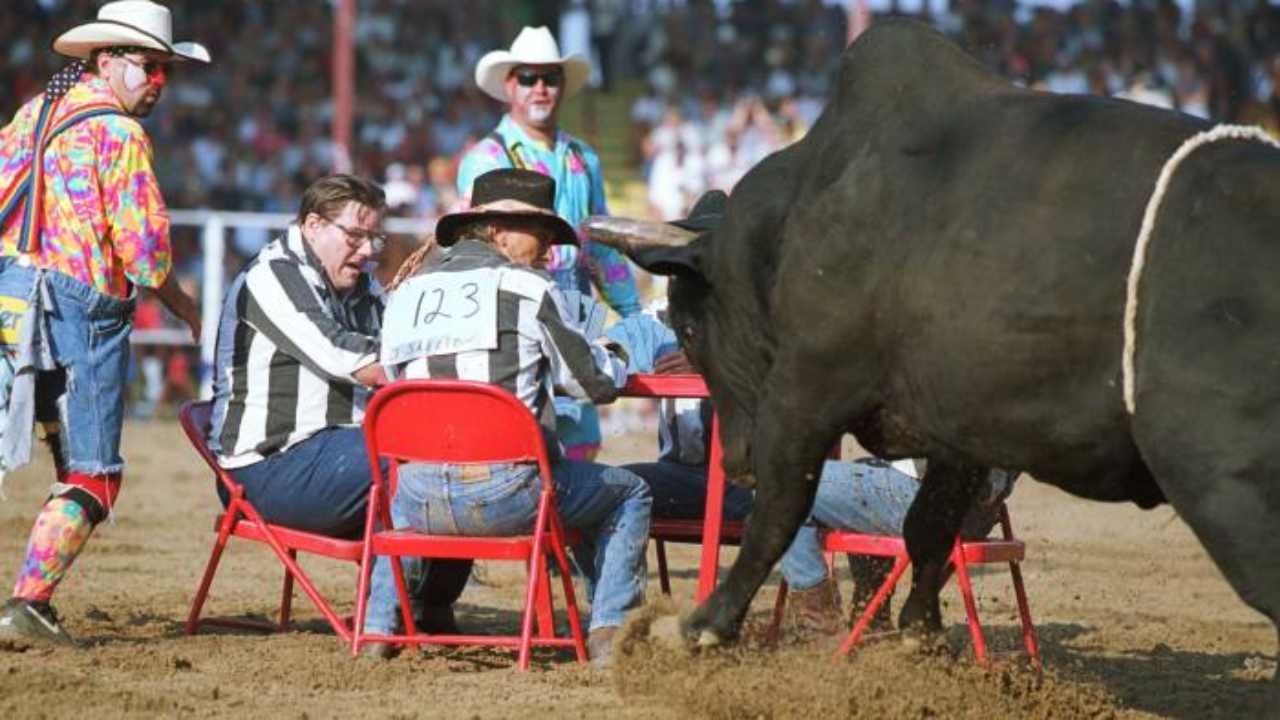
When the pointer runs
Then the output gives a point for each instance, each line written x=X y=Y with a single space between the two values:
x=180 y=304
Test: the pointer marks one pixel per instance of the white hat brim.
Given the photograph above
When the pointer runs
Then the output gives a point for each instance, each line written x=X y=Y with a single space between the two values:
x=80 y=42
x=493 y=68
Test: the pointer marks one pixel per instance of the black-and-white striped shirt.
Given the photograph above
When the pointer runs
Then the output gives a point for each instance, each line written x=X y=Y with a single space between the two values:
x=534 y=350
x=288 y=344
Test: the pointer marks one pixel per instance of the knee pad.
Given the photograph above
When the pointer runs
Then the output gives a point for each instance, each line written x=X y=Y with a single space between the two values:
x=96 y=493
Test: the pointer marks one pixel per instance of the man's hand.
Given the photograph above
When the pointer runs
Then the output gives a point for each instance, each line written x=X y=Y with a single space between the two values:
x=675 y=363
x=180 y=304
x=371 y=375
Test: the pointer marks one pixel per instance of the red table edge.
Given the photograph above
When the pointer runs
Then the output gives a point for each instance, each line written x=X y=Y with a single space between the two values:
x=693 y=386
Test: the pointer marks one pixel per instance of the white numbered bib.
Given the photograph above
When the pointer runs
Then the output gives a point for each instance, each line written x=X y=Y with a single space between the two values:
x=441 y=313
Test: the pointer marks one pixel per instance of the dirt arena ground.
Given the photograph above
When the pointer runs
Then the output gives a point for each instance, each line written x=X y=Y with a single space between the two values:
x=1134 y=621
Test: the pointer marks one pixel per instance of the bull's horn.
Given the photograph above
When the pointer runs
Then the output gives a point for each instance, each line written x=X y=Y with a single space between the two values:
x=627 y=235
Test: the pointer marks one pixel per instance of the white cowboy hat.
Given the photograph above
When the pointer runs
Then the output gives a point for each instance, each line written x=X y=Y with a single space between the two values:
x=128 y=22
x=533 y=46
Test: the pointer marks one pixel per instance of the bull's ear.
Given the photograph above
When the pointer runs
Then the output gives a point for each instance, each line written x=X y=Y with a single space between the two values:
x=669 y=260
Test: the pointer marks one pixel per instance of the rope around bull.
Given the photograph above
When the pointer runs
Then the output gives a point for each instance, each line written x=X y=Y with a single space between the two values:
x=1190 y=145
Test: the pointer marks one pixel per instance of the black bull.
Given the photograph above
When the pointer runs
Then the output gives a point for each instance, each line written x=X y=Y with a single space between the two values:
x=939 y=267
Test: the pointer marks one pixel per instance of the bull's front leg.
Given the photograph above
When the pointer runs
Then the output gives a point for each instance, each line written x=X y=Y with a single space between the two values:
x=787 y=454
x=946 y=493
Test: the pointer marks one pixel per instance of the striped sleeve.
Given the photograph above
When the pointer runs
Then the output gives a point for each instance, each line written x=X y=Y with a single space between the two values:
x=282 y=306
x=578 y=368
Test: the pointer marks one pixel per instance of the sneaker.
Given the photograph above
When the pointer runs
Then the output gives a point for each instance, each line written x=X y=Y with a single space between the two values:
x=26 y=623
x=600 y=646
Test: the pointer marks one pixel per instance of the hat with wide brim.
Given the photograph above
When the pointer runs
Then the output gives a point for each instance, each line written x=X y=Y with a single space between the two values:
x=511 y=194
x=129 y=23
x=533 y=46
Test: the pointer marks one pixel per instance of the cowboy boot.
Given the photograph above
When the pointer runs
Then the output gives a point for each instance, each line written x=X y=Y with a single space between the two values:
x=814 y=613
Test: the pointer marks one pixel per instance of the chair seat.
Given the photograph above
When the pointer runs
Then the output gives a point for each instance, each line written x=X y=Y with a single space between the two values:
x=410 y=542
x=993 y=551
x=863 y=544
x=690 y=531
x=975 y=551
x=336 y=548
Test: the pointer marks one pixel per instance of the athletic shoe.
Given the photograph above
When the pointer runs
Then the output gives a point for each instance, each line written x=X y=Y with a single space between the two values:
x=26 y=623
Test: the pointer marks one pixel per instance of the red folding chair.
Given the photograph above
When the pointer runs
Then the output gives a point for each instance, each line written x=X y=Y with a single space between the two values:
x=461 y=422
x=241 y=519
x=688 y=532
x=1007 y=549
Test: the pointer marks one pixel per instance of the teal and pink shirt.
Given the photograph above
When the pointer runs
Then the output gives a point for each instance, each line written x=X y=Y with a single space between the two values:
x=575 y=167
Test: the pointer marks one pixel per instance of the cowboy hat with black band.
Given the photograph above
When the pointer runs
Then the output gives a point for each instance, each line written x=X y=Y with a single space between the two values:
x=509 y=194
x=129 y=23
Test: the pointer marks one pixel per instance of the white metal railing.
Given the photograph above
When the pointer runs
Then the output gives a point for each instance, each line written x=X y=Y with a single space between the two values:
x=214 y=224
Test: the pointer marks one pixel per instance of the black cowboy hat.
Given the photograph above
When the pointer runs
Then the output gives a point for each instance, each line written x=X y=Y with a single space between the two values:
x=509 y=193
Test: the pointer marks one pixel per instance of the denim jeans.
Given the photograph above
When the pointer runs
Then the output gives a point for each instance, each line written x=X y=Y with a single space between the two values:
x=608 y=505
x=80 y=345
x=865 y=496
x=321 y=485
x=680 y=491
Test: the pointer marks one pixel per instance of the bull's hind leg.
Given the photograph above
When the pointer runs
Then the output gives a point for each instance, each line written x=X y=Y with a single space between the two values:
x=787 y=454
x=933 y=521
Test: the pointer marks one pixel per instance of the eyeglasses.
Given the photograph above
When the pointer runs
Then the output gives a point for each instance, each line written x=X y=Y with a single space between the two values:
x=529 y=78
x=355 y=237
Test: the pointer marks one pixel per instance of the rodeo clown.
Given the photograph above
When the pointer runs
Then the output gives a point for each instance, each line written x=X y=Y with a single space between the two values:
x=82 y=224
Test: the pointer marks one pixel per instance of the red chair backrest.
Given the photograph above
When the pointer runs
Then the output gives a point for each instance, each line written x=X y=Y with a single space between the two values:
x=451 y=421
x=195 y=417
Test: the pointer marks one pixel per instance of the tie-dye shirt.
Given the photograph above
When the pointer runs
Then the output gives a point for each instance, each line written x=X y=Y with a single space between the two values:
x=579 y=194
x=105 y=223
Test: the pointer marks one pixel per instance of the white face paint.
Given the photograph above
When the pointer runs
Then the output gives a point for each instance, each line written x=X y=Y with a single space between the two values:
x=134 y=77
x=539 y=113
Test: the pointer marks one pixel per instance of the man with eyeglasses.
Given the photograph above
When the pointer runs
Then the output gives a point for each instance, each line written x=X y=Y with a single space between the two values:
x=532 y=79
x=295 y=365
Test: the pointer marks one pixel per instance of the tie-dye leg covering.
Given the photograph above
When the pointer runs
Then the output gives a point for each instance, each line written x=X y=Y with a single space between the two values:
x=60 y=533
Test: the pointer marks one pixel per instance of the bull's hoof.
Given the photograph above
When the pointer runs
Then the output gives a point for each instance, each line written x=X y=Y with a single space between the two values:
x=701 y=632
x=920 y=616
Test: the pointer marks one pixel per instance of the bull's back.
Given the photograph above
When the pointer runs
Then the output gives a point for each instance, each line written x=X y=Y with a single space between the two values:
x=981 y=258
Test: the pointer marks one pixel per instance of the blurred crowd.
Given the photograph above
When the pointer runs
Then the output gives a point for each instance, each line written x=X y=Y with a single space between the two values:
x=728 y=84
x=713 y=85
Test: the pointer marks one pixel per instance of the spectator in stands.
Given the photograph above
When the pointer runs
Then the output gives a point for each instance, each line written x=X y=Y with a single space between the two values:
x=296 y=363
x=533 y=78
x=511 y=229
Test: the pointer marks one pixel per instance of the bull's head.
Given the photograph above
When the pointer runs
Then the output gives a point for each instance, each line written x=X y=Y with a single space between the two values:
x=720 y=340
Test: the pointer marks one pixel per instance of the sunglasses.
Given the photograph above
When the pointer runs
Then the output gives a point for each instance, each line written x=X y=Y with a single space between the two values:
x=529 y=78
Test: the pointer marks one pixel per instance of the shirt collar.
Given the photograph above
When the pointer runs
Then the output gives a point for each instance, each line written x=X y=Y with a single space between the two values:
x=91 y=89
x=511 y=131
